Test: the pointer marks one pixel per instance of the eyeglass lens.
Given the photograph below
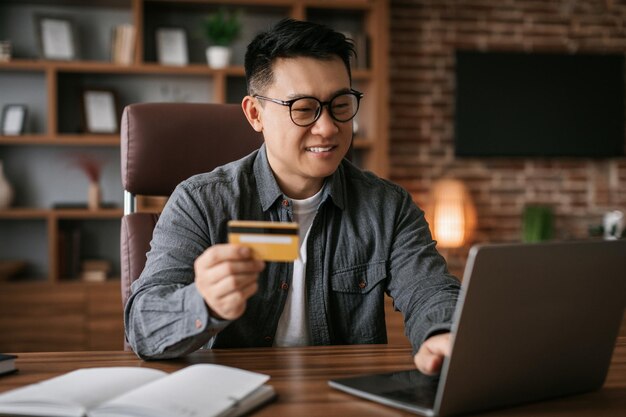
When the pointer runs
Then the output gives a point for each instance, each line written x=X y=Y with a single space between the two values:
x=306 y=110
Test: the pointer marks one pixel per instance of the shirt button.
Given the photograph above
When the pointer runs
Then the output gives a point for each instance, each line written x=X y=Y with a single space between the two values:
x=284 y=286
x=362 y=284
x=198 y=324
x=268 y=338
x=285 y=203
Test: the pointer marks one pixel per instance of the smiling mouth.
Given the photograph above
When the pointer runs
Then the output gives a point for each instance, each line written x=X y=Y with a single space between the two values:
x=320 y=149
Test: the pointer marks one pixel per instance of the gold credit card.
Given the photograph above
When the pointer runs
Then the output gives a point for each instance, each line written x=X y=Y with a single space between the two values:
x=270 y=241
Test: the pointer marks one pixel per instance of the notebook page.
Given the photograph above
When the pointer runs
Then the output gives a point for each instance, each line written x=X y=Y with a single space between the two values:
x=78 y=391
x=202 y=389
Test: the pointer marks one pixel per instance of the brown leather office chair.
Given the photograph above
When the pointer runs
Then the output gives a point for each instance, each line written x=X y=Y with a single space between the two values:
x=161 y=145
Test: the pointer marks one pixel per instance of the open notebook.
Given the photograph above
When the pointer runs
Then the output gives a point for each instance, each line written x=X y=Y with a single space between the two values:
x=534 y=321
x=197 y=390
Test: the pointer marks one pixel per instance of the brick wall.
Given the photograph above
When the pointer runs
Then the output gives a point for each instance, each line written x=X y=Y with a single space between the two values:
x=424 y=36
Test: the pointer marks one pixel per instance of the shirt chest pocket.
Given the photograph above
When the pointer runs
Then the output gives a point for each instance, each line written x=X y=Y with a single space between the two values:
x=357 y=304
x=360 y=279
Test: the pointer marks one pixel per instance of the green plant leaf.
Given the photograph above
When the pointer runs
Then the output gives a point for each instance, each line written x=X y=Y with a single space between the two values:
x=222 y=27
x=537 y=224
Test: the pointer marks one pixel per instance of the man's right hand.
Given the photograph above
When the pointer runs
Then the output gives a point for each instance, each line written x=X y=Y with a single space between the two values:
x=226 y=276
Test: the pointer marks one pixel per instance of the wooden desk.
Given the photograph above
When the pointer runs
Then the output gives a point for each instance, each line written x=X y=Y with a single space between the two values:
x=300 y=377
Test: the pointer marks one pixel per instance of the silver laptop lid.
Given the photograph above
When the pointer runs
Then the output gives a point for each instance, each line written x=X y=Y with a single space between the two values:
x=534 y=321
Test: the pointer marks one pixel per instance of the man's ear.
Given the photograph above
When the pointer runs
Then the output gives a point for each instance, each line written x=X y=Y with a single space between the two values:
x=250 y=107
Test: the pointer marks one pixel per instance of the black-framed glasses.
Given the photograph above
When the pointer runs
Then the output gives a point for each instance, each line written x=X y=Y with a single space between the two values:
x=304 y=111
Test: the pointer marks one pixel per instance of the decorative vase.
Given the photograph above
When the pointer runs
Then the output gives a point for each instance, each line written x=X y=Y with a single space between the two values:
x=6 y=191
x=93 y=196
x=218 y=56
x=613 y=224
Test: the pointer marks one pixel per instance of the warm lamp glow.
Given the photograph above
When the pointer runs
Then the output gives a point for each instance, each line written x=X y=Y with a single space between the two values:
x=451 y=213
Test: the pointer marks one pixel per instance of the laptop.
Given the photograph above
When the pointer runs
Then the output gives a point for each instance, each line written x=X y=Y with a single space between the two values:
x=533 y=321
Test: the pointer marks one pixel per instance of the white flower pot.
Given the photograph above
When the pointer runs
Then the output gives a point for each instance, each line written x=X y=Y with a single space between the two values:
x=218 y=56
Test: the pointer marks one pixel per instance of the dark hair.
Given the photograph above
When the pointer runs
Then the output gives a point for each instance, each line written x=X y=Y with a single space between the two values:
x=291 y=38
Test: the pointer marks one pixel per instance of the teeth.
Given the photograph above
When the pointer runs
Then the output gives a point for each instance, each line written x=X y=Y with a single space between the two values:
x=319 y=149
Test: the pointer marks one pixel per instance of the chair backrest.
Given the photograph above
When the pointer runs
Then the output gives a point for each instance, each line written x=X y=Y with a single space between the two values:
x=166 y=143
x=161 y=145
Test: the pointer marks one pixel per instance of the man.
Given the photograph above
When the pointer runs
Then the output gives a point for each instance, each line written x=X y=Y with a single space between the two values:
x=361 y=236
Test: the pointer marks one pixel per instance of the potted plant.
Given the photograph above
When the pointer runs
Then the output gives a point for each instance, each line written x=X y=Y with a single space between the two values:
x=221 y=29
x=537 y=223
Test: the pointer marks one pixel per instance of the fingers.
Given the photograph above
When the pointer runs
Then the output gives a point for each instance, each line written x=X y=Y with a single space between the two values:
x=219 y=253
x=226 y=276
x=230 y=281
x=236 y=273
x=233 y=304
x=429 y=357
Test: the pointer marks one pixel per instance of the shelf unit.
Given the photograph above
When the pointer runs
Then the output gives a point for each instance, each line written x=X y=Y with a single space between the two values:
x=51 y=89
x=52 y=219
x=34 y=161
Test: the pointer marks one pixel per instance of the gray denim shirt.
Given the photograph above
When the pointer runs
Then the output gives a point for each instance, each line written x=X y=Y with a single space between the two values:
x=368 y=238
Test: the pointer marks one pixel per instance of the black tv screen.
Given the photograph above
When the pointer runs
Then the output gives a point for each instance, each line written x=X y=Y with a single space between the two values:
x=523 y=104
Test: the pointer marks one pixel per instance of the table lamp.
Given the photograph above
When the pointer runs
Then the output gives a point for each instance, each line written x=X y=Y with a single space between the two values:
x=451 y=213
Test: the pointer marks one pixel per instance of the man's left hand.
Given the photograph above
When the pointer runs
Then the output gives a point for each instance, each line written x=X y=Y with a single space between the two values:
x=429 y=357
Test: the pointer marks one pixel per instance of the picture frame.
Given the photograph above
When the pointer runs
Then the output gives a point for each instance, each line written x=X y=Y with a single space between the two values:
x=171 y=46
x=57 y=37
x=13 y=119
x=100 y=111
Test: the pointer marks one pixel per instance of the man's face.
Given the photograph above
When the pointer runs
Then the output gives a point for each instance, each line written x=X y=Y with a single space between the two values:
x=301 y=157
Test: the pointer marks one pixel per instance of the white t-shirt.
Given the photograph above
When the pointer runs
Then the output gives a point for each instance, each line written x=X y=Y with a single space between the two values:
x=293 y=325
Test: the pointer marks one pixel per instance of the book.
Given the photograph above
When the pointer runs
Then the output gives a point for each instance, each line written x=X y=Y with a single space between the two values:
x=362 y=47
x=95 y=270
x=202 y=389
x=93 y=276
x=123 y=44
x=69 y=250
x=7 y=363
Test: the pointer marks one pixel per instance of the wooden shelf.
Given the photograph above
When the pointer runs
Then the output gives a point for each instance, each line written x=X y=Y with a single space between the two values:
x=52 y=214
x=90 y=4
x=28 y=139
x=41 y=281
x=24 y=213
x=337 y=4
x=145 y=68
x=113 y=213
x=111 y=68
x=85 y=139
x=22 y=65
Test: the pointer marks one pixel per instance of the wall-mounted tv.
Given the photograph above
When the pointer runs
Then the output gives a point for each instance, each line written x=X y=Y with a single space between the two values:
x=538 y=104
